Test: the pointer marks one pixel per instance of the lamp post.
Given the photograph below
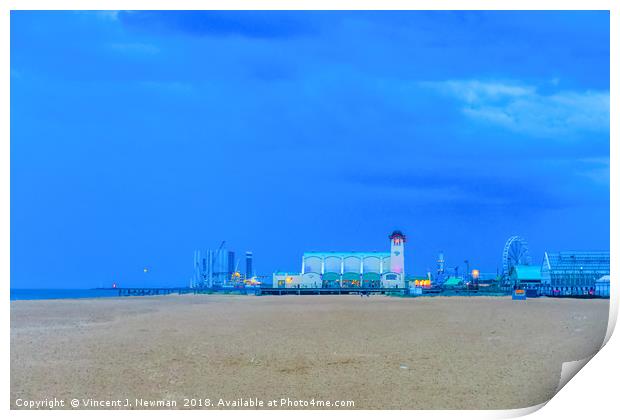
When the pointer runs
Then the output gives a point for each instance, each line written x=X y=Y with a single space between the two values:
x=467 y=275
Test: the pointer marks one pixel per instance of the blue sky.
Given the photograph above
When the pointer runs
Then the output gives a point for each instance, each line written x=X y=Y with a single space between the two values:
x=137 y=137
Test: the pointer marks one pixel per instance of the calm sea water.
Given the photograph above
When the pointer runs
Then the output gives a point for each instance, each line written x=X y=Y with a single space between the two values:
x=41 y=294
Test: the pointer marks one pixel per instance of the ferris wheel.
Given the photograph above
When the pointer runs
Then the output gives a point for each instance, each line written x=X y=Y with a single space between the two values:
x=516 y=252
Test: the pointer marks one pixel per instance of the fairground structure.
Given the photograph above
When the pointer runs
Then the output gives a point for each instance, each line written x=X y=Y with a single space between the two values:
x=350 y=269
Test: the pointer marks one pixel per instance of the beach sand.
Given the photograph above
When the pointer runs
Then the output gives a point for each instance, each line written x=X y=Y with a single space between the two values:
x=381 y=352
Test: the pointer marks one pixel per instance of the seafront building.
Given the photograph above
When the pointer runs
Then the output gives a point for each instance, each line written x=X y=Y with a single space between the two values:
x=527 y=276
x=216 y=268
x=566 y=273
x=573 y=272
x=601 y=286
x=249 y=262
x=350 y=269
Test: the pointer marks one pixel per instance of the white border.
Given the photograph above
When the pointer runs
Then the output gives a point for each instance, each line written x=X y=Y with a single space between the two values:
x=593 y=395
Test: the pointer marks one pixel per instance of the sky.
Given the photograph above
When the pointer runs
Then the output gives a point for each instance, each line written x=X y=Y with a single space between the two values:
x=138 y=137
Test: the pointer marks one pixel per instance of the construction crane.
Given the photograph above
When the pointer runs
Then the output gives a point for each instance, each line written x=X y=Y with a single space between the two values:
x=211 y=256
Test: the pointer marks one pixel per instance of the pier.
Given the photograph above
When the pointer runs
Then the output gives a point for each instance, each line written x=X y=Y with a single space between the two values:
x=157 y=291
x=328 y=290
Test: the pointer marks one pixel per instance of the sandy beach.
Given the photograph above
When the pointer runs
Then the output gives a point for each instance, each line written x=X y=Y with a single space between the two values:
x=380 y=352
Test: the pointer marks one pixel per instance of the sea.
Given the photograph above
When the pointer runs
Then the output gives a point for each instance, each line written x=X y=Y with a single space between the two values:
x=45 y=294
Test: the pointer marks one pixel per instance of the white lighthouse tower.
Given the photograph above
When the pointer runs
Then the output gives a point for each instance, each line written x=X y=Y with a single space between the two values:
x=397 y=255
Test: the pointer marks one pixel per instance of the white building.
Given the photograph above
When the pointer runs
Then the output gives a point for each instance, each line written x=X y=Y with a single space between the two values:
x=601 y=286
x=293 y=280
x=350 y=269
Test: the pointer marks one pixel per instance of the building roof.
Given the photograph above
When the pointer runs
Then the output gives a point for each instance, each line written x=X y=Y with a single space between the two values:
x=585 y=262
x=398 y=234
x=346 y=254
x=527 y=272
x=453 y=281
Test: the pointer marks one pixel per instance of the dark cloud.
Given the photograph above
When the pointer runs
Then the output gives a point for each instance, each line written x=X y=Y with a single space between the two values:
x=462 y=188
x=251 y=24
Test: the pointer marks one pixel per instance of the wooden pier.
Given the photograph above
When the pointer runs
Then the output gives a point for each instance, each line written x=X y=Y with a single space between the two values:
x=157 y=291
x=328 y=291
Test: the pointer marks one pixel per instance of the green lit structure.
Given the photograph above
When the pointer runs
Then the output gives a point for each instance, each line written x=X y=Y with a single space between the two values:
x=526 y=276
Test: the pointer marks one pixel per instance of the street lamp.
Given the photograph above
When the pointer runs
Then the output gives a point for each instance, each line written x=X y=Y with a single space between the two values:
x=468 y=274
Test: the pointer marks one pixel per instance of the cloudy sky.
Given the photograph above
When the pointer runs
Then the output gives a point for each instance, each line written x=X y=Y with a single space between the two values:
x=137 y=137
